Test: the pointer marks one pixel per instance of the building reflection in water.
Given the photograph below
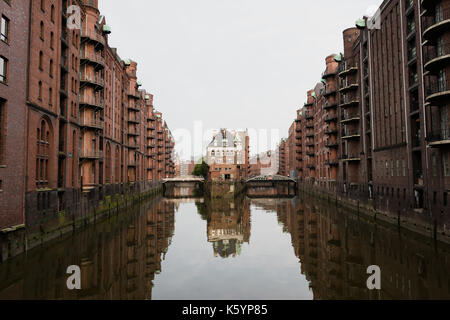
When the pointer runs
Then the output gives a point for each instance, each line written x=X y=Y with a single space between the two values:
x=228 y=225
x=118 y=259
x=336 y=248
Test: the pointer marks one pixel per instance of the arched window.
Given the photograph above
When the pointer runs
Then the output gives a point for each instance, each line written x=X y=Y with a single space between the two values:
x=52 y=13
x=43 y=140
x=50 y=71
x=43 y=5
x=40 y=90
x=52 y=40
x=41 y=32
x=50 y=96
x=41 y=60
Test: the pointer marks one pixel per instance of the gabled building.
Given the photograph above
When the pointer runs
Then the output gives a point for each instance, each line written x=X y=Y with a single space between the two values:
x=228 y=155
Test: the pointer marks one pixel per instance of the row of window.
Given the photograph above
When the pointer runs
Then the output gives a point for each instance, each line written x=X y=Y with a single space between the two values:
x=392 y=168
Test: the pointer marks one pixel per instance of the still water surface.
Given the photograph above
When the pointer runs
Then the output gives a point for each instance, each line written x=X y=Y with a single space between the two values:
x=243 y=249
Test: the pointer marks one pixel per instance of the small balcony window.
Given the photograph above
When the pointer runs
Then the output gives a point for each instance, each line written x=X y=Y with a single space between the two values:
x=4 y=34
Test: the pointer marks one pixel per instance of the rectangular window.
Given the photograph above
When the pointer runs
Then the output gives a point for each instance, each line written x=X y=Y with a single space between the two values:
x=434 y=165
x=4 y=33
x=387 y=169
x=392 y=168
x=446 y=164
x=398 y=168
x=3 y=69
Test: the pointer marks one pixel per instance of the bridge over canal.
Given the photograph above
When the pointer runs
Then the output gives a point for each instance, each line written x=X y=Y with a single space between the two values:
x=183 y=187
x=273 y=186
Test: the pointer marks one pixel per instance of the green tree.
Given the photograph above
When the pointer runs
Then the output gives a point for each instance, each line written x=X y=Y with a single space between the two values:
x=201 y=170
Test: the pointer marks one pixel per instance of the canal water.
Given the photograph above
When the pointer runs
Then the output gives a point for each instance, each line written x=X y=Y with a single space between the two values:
x=297 y=249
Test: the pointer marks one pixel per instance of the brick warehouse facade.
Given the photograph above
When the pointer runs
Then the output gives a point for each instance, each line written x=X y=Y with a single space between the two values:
x=375 y=129
x=76 y=129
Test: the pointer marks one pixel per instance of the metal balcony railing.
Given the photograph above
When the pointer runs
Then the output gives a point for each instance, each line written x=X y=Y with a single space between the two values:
x=92 y=123
x=91 y=154
x=93 y=36
x=92 y=79
x=348 y=64
x=436 y=86
x=350 y=133
x=90 y=100
x=437 y=18
x=439 y=135
x=92 y=57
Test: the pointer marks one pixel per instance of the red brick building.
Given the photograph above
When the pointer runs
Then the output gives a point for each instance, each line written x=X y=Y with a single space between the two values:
x=376 y=128
x=81 y=129
x=13 y=115
x=228 y=156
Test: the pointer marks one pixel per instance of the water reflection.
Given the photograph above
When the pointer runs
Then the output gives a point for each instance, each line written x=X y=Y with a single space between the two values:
x=228 y=223
x=241 y=249
x=118 y=258
x=335 y=248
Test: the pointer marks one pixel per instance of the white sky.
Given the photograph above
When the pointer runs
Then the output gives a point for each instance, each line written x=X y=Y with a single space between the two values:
x=229 y=63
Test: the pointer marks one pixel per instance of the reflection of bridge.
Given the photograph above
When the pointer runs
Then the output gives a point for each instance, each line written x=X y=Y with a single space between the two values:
x=183 y=187
x=271 y=186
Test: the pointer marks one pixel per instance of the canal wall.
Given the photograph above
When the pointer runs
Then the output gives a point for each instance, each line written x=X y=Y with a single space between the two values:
x=43 y=224
x=224 y=189
x=387 y=209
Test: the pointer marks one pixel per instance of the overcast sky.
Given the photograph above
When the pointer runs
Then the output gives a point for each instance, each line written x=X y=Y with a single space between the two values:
x=229 y=63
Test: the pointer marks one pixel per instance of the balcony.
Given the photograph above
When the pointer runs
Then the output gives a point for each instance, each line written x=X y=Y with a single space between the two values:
x=349 y=102
x=133 y=132
x=437 y=91
x=95 y=59
x=348 y=66
x=439 y=138
x=91 y=154
x=436 y=25
x=309 y=115
x=351 y=157
x=330 y=105
x=428 y=4
x=134 y=94
x=132 y=118
x=94 y=37
x=329 y=73
x=351 y=117
x=436 y=58
x=310 y=134
x=97 y=82
x=91 y=123
x=351 y=134
x=90 y=101
x=348 y=86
